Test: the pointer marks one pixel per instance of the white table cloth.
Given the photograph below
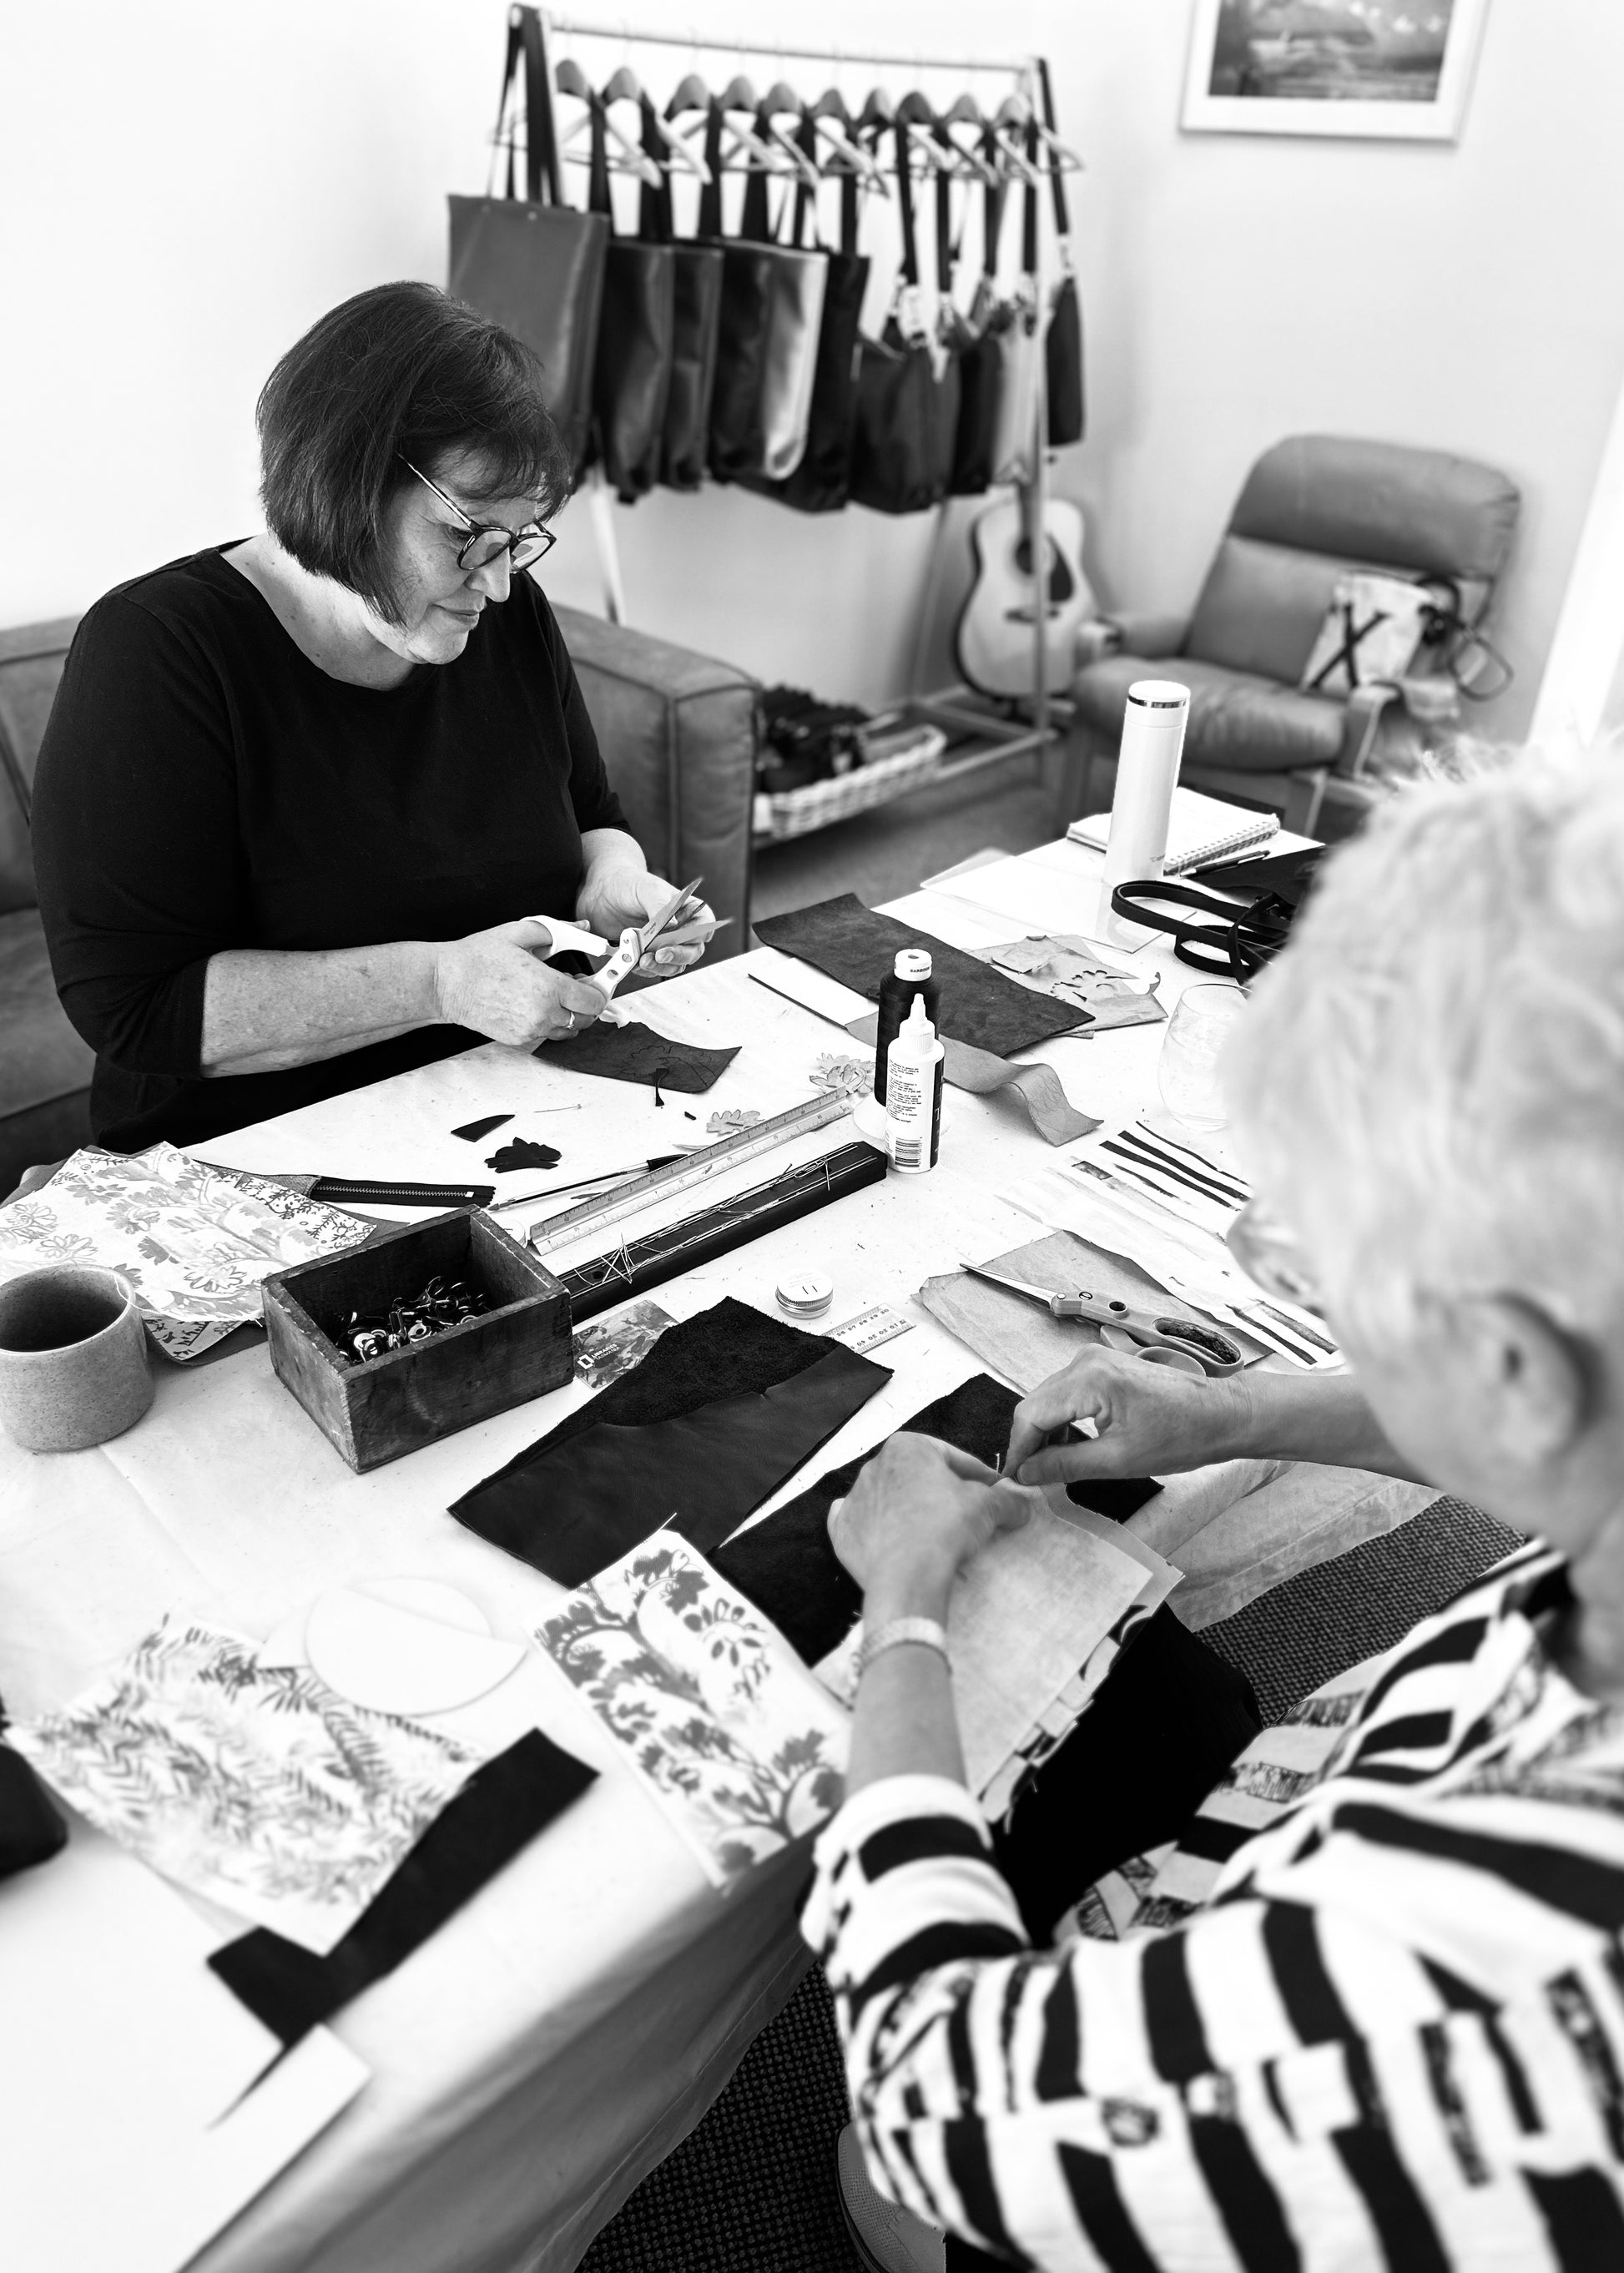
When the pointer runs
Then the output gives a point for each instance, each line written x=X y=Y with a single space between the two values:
x=537 y=2058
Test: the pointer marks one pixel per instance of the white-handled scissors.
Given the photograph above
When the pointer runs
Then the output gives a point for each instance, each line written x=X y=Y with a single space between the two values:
x=635 y=944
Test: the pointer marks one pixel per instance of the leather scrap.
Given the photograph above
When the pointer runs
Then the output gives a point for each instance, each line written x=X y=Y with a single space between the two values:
x=636 y=1053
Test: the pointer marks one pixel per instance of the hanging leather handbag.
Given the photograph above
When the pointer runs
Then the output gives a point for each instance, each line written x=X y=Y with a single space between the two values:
x=981 y=358
x=1063 y=342
x=907 y=392
x=1015 y=435
x=631 y=383
x=696 y=304
x=822 y=482
x=534 y=263
x=773 y=306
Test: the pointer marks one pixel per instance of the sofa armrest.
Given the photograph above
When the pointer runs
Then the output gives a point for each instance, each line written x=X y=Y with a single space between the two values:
x=1147 y=632
x=678 y=734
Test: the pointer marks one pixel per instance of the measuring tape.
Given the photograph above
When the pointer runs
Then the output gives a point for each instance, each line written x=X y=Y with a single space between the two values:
x=682 y=1175
x=869 y=1328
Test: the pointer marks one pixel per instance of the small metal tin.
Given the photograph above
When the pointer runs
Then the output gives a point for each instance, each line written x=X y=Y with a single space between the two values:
x=806 y=1294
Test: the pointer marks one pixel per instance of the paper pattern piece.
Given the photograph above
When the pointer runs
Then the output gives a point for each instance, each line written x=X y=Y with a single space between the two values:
x=397 y=1661
x=846 y=1077
x=254 y=1785
x=520 y=1152
x=636 y=1053
x=471 y=1131
x=725 y=1728
x=124 y=2066
x=193 y=1241
x=1072 y=970
x=979 y=1005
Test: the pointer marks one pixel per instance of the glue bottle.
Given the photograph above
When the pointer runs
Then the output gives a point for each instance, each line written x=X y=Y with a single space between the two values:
x=914 y=1095
x=899 y=989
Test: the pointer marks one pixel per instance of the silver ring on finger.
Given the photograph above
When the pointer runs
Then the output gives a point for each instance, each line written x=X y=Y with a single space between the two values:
x=569 y=1020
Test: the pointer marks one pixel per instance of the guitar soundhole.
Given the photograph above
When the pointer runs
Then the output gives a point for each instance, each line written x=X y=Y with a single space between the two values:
x=1061 y=583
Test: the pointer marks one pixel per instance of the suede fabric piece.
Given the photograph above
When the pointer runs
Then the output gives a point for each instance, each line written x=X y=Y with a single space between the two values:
x=978 y=1004
x=664 y=1449
x=31 y=1830
x=498 y=1812
x=634 y=1053
x=471 y=1131
x=787 y=1566
x=522 y=1152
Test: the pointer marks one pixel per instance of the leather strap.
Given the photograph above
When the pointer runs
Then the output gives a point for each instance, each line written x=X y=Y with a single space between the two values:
x=598 y=198
x=1057 y=174
x=992 y=207
x=655 y=220
x=848 y=213
x=756 y=222
x=543 y=182
x=1029 y=221
x=805 y=142
x=905 y=198
x=711 y=196
x=944 y=219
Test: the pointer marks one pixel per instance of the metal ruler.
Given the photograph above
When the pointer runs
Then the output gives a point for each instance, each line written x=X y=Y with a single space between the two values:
x=682 y=1175
x=869 y=1328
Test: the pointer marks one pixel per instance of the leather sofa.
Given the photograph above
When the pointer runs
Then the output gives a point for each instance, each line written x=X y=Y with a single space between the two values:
x=678 y=732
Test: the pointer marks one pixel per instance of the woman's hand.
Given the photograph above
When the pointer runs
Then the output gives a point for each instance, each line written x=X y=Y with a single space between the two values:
x=624 y=898
x=1147 y=1420
x=492 y=982
x=919 y=1509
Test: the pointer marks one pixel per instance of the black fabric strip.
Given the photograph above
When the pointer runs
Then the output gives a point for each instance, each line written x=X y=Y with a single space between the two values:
x=1091 y=2181
x=1404 y=2223
x=1460 y=1996
x=1059 y=2070
x=1277 y=2098
x=498 y=1812
x=921 y=1839
x=1247 y=2203
x=1411 y=1732
x=1173 y=2021
x=1451 y=2105
x=1582 y=2217
x=961 y=2060
x=1575 y=2014
x=1213 y=1839
x=969 y=2167
x=1291 y=1943
x=1568 y=1882
x=942 y=1944
x=31 y=1830
x=1455 y=1646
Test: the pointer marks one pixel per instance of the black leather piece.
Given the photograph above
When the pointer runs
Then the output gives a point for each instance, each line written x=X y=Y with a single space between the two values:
x=638 y=1053
x=697 y=310
x=787 y=1566
x=978 y=1004
x=31 y=1830
x=499 y=1810
x=631 y=375
x=569 y=1509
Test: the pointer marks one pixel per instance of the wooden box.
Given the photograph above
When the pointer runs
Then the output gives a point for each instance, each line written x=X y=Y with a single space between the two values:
x=409 y=1398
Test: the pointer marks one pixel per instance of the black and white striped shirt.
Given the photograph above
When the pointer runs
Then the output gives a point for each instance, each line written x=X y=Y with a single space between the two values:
x=1369 y=2013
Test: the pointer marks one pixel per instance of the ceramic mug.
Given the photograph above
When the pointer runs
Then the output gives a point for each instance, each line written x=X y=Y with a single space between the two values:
x=73 y=1367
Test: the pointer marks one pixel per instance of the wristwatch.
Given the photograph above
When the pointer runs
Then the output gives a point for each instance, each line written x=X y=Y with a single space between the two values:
x=897 y=1630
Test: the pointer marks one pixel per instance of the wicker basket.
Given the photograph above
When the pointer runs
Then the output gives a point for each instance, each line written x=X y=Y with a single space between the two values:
x=793 y=812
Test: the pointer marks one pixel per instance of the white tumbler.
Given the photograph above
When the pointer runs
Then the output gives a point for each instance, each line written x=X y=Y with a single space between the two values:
x=1153 y=742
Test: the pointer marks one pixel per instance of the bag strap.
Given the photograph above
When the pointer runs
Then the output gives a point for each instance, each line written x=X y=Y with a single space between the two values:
x=805 y=142
x=1029 y=219
x=755 y=221
x=994 y=195
x=655 y=219
x=710 y=195
x=1056 y=172
x=946 y=251
x=543 y=181
x=905 y=198
x=598 y=198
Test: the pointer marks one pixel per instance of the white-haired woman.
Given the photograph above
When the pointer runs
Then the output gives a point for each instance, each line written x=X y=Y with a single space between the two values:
x=1371 y=2012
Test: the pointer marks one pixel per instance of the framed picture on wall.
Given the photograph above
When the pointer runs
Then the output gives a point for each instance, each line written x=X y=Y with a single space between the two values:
x=1400 y=69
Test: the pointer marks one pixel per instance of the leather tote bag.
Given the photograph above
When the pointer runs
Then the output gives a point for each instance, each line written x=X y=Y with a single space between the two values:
x=1064 y=341
x=772 y=308
x=533 y=264
x=981 y=359
x=822 y=482
x=1019 y=348
x=631 y=381
x=907 y=392
x=696 y=307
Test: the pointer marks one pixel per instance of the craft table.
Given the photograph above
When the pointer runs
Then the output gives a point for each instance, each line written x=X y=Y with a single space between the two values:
x=542 y=2052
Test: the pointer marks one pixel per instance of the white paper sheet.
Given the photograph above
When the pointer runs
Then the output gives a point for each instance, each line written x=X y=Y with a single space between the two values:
x=127 y=2141
x=724 y=1727
x=254 y=1785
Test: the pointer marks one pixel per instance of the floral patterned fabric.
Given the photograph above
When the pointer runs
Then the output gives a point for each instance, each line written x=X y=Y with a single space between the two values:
x=193 y=1241
x=723 y=1725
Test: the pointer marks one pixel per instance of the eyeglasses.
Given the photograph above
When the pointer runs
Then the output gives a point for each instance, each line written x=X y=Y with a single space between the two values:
x=1268 y=1253
x=487 y=541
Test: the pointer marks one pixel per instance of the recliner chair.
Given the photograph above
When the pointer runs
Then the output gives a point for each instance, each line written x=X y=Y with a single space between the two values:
x=1313 y=508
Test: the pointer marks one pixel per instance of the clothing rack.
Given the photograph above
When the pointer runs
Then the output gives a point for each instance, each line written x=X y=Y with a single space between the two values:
x=949 y=707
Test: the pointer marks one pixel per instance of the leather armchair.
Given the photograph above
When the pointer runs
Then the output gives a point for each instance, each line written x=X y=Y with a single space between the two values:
x=1311 y=509
x=678 y=734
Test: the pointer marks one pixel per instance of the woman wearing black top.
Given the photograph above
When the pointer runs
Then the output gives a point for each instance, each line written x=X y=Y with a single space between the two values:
x=301 y=797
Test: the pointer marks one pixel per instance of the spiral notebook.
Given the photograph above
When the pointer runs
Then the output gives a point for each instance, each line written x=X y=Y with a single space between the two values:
x=1200 y=829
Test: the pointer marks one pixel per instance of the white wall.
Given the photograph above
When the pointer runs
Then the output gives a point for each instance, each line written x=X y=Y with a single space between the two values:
x=184 y=184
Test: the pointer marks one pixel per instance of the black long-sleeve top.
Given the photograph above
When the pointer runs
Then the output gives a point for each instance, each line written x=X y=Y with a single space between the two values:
x=204 y=785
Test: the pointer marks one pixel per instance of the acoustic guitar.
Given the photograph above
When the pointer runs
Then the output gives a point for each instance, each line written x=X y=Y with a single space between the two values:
x=992 y=639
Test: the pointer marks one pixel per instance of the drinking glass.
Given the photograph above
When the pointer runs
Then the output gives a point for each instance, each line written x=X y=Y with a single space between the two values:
x=1188 y=1073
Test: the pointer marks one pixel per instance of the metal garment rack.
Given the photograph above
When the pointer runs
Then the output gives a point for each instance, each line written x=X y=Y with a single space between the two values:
x=951 y=707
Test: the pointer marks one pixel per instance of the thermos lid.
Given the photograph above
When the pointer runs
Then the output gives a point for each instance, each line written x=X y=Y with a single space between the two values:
x=912 y=962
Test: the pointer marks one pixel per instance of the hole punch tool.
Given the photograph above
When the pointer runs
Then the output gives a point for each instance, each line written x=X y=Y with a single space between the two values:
x=1151 y=1334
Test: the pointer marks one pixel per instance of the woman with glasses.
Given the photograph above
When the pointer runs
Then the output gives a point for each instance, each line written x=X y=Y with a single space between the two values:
x=306 y=800
x=1365 y=2009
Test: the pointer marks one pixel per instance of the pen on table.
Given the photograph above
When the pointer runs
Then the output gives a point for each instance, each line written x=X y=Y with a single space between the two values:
x=583 y=1183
